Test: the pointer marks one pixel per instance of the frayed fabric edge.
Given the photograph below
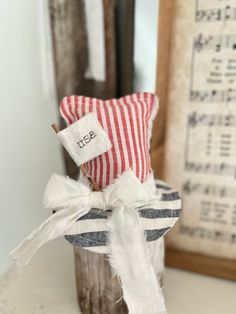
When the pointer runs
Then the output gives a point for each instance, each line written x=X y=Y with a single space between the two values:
x=131 y=262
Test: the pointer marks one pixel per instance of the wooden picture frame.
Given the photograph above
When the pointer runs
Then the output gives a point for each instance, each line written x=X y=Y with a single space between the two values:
x=176 y=257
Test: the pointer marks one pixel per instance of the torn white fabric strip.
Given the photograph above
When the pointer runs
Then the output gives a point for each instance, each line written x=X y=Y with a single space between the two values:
x=129 y=253
x=131 y=261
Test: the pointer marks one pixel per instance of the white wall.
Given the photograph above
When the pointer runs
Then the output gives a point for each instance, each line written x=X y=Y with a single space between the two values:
x=29 y=149
x=145 y=44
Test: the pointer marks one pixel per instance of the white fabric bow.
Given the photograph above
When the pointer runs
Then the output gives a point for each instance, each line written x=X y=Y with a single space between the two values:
x=128 y=252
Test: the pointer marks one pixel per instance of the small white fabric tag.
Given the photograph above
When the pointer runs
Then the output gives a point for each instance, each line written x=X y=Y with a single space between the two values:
x=85 y=139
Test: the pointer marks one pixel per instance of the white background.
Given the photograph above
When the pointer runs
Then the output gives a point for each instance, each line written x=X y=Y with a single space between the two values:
x=145 y=45
x=29 y=149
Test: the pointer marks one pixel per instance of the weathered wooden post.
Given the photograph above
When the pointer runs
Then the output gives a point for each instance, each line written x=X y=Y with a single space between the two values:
x=97 y=290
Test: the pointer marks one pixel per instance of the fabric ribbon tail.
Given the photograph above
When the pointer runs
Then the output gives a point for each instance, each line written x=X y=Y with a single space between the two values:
x=131 y=261
x=54 y=227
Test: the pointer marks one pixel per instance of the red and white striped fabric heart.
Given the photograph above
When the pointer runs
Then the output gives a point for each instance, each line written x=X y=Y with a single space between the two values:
x=128 y=123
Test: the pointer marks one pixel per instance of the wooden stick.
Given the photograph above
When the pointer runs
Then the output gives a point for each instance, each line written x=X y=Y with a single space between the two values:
x=55 y=127
x=82 y=167
x=94 y=184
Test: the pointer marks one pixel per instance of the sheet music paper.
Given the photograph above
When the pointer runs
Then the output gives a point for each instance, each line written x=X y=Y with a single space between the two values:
x=201 y=120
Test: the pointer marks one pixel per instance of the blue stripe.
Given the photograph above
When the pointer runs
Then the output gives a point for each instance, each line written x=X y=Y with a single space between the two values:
x=170 y=196
x=151 y=213
x=161 y=186
x=96 y=213
x=95 y=239
x=152 y=235
x=88 y=239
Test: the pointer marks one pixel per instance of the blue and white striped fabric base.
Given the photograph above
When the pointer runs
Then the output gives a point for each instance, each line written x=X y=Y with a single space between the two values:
x=91 y=231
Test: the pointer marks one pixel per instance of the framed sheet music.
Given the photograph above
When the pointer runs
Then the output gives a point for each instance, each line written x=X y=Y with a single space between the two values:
x=197 y=142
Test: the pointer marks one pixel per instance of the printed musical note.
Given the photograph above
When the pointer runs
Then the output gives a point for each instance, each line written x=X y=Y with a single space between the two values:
x=233 y=238
x=213 y=96
x=214 y=42
x=227 y=13
x=204 y=119
x=190 y=187
x=215 y=235
x=211 y=168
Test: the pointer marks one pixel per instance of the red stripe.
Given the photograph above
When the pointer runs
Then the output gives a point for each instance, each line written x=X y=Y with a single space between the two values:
x=100 y=161
x=76 y=107
x=149 y=101
x=80 y=105
x=83 y=106
x=70 y=107
x=112 y=141
x=90 y=162
x=62 y=107
x=142 y=109
x=145 y=134
x=133 y=137
x=117 y=126
x=125 y=129
x=93 y=173
x=143 y=141
x=139 y=139
x=144 y=101
x=69 y=100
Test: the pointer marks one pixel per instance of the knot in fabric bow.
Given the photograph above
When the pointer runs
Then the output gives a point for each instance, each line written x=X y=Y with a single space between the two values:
x=70 y=200
x=128 y=256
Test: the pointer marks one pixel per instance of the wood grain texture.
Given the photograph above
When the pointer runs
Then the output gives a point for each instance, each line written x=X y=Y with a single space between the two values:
x=212 y=266
x=69 y=45
x=125 y=46
x=70 y=49
x=98 y=290
x=70 y=54
x=166 y=8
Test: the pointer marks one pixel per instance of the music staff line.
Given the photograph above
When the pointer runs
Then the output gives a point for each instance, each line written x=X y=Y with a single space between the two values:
x=204 y=119
x=215 y=235
x=213 y=169
x=214 y=42
x=227 y=13
x=208 y=189
x=213 y=96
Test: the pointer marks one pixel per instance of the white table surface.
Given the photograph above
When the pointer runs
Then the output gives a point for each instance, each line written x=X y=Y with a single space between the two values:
x=47 y=286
